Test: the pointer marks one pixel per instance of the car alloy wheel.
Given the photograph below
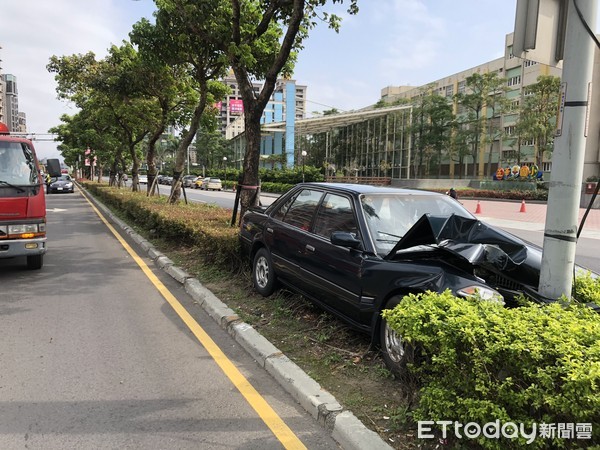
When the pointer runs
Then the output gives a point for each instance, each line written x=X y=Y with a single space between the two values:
x=396 y=352
x=263 y=275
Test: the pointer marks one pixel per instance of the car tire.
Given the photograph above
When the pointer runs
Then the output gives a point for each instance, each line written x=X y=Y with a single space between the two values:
x=263 y=275
x=35 y=262
x=396 y=352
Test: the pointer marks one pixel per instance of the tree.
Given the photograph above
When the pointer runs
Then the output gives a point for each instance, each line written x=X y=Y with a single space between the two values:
x=185 y=36
x=260 y=41
x=537 y=118
x=169 y=84
x=482 y=93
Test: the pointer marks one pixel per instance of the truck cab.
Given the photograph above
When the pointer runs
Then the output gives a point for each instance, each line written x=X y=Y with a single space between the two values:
x=22 y=201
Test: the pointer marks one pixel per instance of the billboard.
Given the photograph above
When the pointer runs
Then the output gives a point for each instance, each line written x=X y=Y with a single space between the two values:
x=236 y=107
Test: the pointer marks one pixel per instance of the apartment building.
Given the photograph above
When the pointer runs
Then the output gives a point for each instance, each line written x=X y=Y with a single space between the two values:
x=519 y=74
x=231 y=108
x=11 y=104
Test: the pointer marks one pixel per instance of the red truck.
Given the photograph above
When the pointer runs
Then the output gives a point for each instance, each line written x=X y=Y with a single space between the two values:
x=22 y=201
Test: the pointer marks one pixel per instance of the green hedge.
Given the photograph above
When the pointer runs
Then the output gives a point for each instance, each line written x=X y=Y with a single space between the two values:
x=202 y=225
x=483 y=362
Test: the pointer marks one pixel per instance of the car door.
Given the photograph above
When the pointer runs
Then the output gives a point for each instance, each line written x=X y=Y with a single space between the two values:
x=333 y=273
x=286 y=234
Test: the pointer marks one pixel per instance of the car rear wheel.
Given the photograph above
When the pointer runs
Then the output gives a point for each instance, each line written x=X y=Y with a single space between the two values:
x=263 y=275
x=35 y=262
x=396 y=352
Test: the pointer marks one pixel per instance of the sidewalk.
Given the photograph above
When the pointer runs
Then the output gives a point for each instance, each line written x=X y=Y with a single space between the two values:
x=509 y=214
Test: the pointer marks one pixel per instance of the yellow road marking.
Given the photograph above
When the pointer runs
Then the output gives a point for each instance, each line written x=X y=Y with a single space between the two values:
x=281 y=431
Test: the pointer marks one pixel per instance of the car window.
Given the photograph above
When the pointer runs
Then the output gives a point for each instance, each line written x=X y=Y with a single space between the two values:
x=389 y=217
x=335 y=214
x=302 y=209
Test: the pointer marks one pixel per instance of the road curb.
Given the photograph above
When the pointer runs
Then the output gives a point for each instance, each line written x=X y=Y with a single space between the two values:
x=345 y=428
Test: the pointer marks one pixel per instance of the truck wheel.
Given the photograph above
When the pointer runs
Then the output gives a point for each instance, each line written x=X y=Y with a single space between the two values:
x=35 y=262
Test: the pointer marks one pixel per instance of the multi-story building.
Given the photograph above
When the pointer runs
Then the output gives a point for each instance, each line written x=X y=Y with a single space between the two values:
x=519 y=74
x=2 y=99
x=11 y=106
x=287 y=104
x=231 y=107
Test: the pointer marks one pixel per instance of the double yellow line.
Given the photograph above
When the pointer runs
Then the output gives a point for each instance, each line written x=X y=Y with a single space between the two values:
x=281 y=431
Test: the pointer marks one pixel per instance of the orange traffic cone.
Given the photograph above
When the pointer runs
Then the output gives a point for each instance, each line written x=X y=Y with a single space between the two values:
x=522 y=206
x=478 y=209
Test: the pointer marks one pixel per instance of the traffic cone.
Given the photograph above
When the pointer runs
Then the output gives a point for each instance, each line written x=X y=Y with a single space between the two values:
x=478 y=209
x=522 y=206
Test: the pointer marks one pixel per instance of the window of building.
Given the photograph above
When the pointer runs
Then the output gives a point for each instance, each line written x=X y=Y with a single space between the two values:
x=514 y=81
x=514 y=105
x=529 y=63
x=510 y=53
x=547 y=167
x=525 y=142
x=462 y=86
x=509 y=130
x=449 y=90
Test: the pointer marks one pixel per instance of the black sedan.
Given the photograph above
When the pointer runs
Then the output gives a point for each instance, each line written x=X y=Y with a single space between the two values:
x=356 y=250
x=63 y=183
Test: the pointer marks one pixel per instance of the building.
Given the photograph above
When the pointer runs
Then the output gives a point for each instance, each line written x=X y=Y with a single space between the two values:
x=11 y=104
x=519 y=74
x=287 y=105
x=232 y=107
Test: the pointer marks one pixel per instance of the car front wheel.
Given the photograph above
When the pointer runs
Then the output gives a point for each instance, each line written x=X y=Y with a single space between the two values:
x=396 y=352
x=263 y=275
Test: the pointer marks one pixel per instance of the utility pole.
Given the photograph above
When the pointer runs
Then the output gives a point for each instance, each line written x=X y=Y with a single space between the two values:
x=560 y=235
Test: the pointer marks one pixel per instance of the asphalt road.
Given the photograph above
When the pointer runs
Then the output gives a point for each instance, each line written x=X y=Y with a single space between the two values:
x=93 y=356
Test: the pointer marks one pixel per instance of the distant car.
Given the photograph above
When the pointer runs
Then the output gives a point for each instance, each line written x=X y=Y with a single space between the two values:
x=63 y=183
x=188 y=180
x=212 y=184
x=356 y=250
x=197 y=183
x=143 y=179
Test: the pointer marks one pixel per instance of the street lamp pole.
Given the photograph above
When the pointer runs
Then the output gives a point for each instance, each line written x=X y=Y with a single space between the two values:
x=303 y=156
x=225 y=166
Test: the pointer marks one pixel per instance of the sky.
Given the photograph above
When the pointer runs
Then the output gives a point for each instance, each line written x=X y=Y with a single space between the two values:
x=388 y=43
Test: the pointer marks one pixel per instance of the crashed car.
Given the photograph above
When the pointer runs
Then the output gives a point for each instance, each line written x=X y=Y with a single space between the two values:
x=356 y=250
x=63 y=183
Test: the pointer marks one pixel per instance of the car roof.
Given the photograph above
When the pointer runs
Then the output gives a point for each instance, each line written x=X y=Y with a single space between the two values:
x=369 y=189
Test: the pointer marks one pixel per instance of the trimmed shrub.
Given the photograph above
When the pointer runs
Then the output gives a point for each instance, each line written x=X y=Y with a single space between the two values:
x=484 y=362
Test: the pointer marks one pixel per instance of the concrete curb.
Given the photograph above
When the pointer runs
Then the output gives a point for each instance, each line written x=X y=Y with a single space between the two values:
x=345 y=428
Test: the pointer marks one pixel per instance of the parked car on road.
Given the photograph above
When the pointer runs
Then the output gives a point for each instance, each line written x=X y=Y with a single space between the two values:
x=356 y=250
x=187 y=180
x=197 y=182
x=143 y=179
x=63 y=183
x=212 y=184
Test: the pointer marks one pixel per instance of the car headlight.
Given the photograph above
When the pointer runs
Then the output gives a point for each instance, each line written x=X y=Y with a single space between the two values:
x=482 y=292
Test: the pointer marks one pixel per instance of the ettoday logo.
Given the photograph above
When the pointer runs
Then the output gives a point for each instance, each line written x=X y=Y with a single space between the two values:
x=508 y=430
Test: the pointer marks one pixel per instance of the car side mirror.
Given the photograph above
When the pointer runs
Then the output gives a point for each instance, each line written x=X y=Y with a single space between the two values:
x=345 y=239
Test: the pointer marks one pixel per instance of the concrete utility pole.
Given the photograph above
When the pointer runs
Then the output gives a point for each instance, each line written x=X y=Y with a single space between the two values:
x=560 y=236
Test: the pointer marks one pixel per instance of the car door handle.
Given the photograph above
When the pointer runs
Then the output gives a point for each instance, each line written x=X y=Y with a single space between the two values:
x=310 y=248
x=269 y=230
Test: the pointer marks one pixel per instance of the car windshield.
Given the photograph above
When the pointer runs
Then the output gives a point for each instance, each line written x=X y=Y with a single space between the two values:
x=390 y=216
x=17 y=165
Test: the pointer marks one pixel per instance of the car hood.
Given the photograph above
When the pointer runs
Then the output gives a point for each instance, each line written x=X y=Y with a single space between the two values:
x=61 y=183
x=467 y=238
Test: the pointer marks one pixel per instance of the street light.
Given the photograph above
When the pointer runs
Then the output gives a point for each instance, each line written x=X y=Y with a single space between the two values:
x=303 y=156
x=225 y=165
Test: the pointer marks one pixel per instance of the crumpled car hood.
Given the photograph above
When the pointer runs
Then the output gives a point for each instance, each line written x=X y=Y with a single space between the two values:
x=467 y=238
